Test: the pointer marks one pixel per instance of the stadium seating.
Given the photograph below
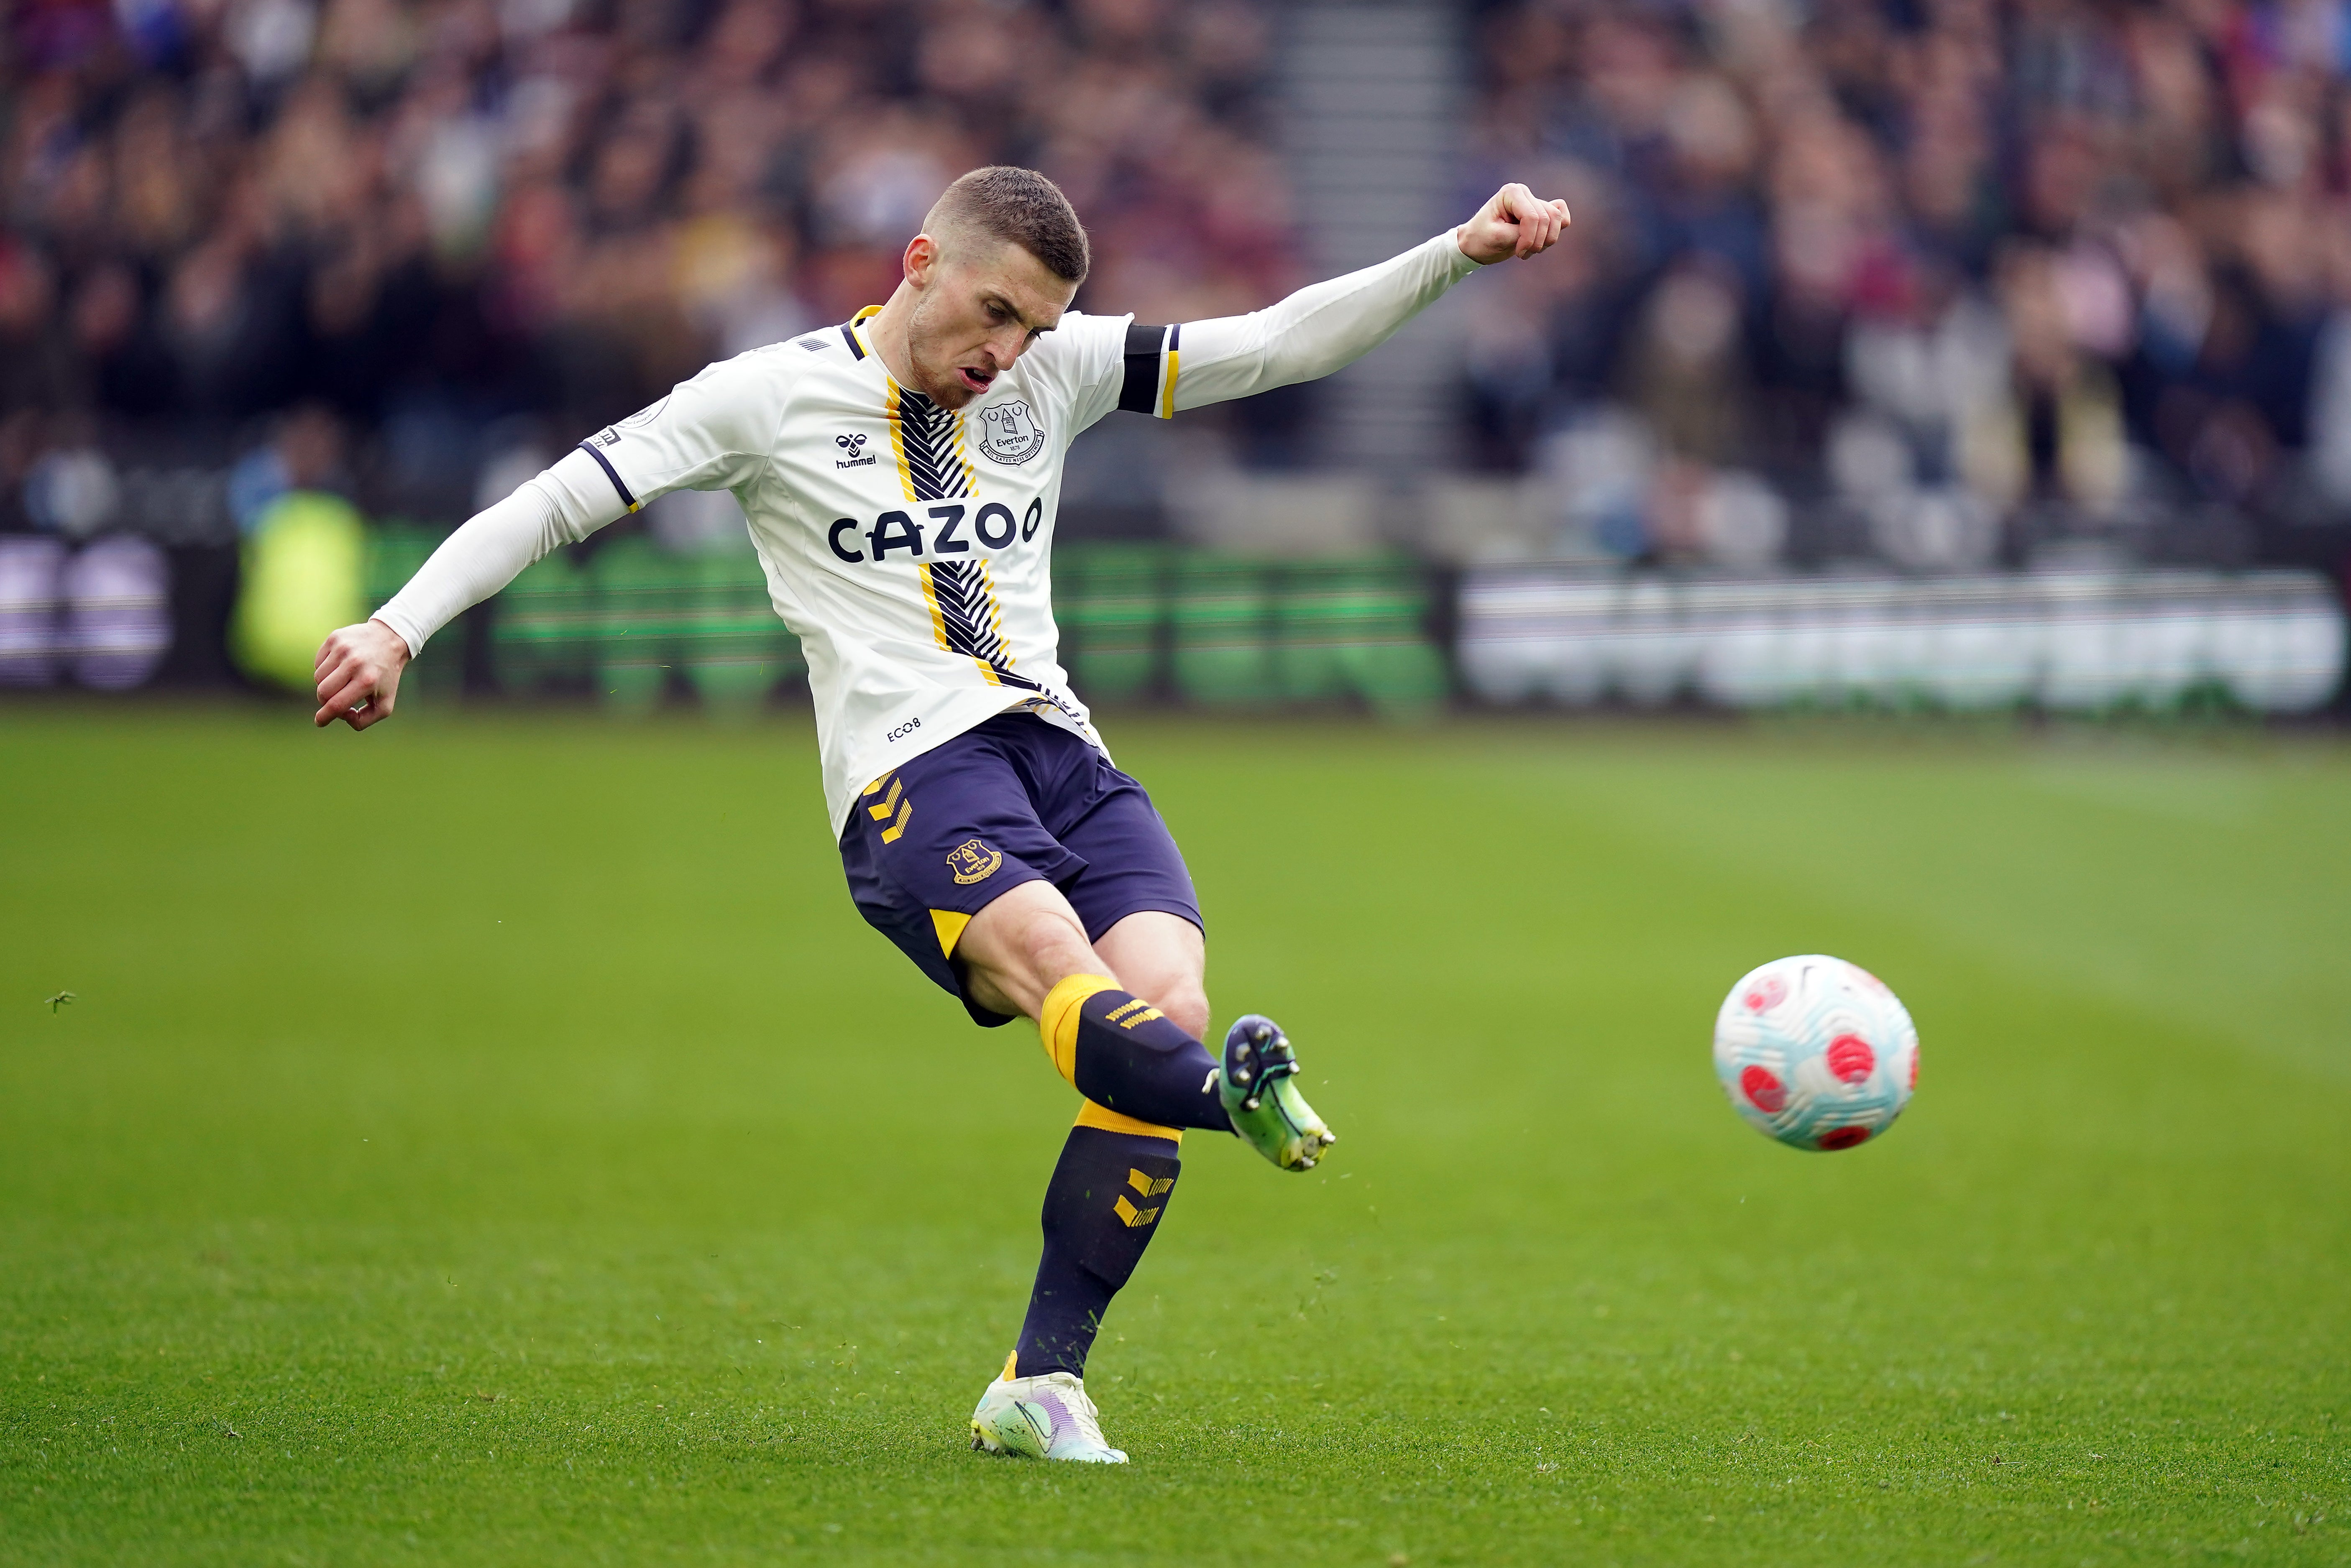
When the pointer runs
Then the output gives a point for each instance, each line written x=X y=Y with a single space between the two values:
x=1233 y=632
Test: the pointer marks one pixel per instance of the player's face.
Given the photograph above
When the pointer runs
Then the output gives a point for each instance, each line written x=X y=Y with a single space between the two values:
x=981 y=303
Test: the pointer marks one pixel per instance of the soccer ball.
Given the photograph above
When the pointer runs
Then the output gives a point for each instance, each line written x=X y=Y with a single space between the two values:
x=1815 y=1052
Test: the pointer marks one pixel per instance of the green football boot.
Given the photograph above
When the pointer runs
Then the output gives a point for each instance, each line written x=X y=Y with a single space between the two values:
x=1267 y=1111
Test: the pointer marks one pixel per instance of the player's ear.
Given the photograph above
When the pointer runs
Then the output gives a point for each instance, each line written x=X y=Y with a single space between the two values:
x=921 y=255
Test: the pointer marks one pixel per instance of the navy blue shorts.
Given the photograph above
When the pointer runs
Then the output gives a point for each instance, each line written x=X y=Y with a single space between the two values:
x=1014 y=800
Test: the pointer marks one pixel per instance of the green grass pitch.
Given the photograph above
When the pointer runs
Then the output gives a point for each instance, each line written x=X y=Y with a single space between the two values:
x=495 y=1138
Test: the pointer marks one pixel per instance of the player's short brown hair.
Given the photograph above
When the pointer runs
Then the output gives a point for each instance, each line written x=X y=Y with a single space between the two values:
x=1023 y=207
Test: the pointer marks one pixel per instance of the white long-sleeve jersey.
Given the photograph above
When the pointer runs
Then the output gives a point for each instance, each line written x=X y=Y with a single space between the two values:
x=908 y=545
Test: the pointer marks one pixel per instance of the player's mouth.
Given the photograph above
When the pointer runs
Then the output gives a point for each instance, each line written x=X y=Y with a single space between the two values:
x=976 y=381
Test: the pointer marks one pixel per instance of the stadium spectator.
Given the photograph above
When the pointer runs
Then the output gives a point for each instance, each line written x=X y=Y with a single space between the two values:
x=435 y=217
x=1966 y=276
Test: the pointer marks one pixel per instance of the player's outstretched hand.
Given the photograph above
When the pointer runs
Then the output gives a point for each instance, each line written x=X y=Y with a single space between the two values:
x=1514 y=223
x=359 y=674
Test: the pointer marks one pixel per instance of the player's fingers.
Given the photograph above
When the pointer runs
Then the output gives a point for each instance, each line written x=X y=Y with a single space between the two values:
x=336 y=676
x=1545 y=221
x=348 y=695
x=1527 y=213
x=1500 y=210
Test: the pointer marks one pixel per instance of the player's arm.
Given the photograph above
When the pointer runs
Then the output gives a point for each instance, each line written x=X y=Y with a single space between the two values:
x=1329 y=325
x=359 y=667
x=709 y=433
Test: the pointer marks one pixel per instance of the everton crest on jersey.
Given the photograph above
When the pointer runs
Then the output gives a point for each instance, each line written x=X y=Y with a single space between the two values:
x=906 y=543
x=1010 y=433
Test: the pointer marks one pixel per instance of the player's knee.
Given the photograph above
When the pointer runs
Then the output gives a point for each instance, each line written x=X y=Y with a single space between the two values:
x=1187 y=1007
x=1178 y=994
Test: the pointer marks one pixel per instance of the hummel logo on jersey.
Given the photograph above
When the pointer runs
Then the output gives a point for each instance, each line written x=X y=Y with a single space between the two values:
x=608 y=436
x=1013 y=435
x=855 y=445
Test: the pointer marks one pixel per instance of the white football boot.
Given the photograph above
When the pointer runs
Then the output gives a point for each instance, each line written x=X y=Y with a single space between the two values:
x=1044 y=1418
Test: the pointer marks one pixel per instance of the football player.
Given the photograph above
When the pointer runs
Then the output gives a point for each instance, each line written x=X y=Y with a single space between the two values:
x=900 y=475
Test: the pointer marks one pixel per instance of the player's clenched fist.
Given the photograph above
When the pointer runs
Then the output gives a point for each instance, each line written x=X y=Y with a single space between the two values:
x=1514 y=223
x=359 y=674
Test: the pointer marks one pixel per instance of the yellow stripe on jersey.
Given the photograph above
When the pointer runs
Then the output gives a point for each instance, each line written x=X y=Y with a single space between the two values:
x=967 y=617
x=1002 y=658
x=849 y=330
x=931 y=597
x=954 y=622
x=927 y=441
x=1147 y=385
x=898 y=451
x=963 y=461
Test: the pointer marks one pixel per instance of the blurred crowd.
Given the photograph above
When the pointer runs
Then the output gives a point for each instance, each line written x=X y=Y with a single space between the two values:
x=1940 y=282
x=1946 y=282
x=390 y=245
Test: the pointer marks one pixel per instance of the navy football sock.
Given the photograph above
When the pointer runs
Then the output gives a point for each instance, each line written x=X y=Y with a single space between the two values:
x=1123 y=1054
x=1101 y=1209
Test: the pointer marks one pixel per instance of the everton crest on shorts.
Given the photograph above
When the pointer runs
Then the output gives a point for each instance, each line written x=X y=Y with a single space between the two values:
x=1013 y=800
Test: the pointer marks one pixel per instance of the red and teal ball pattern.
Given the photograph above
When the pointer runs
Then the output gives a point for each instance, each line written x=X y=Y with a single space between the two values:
x=1815 y=1052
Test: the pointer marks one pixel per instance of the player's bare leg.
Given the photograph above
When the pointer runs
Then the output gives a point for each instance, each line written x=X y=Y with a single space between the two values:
x=1163 y=958
x=1133 y=1050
